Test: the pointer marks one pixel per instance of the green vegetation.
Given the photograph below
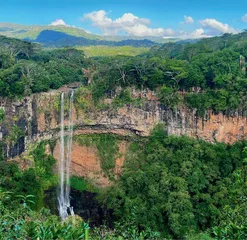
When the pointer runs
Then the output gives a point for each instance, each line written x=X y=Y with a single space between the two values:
x=32 y=32
x=180 y=187
x=210 y=73
x=21 y=222
x=168 y=96
x=15 y=134
x=2 y=115
x=78 y=183
x=44 y=165
x=171 y=187
x=32 y=181
x=1 y=151
x=83 y=99
x=82 y=184
x=107 y=146
x=124 y=97
x=21 y=212
x=25 y=69
x=96 y=51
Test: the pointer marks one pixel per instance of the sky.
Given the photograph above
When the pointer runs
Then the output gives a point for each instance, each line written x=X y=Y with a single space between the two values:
x=161 y=18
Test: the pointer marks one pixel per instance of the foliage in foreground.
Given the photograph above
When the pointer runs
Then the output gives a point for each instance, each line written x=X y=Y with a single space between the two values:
x=23 y=223
x=21 y=199
x=32 y=181
x=171 y=188
x=179 y=187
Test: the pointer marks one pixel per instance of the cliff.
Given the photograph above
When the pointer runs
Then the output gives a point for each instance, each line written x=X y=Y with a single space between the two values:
x=37 y=118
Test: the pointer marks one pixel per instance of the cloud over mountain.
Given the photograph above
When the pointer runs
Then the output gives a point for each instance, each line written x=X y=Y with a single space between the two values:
x=198 y=33
x=132 y=25
x=215 y=27
x=128 y=23
x=58 y=22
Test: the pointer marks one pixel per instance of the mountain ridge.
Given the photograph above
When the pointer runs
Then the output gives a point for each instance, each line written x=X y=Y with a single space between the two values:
x=31 y=32
x=50 y=38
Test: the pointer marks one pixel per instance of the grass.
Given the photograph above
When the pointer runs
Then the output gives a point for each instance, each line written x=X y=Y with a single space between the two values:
x=98 y=51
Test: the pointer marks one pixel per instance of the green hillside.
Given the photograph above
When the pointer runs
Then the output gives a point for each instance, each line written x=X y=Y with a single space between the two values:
x=151 y=38
x=94 y=51
x=32 y=32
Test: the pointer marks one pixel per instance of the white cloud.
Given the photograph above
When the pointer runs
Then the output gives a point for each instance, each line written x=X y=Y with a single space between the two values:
x=58 y=22
x=198 y=33
x=215 y=27
x=135 y=26
x=188 y=20
x=244 y=18
x=87 y=31
x=128 y=23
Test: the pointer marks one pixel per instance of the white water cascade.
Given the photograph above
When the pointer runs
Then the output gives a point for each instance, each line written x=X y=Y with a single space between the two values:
x=64 y=163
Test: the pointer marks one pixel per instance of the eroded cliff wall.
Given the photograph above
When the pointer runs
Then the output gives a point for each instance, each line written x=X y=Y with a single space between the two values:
x=37 y=118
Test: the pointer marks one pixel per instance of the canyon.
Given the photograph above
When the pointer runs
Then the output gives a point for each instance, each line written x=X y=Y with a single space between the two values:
x=36 y=118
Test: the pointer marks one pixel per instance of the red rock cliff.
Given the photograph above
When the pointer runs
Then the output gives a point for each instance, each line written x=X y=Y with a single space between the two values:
x=38 y=118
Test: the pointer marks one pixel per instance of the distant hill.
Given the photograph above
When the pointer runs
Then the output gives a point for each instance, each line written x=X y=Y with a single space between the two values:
x=32 y=32
x=50 y=38
x=151 y=38
x=59 y=36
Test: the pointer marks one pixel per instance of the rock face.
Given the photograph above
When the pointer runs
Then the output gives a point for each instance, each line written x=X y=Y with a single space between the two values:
x=37 y=118
x=85 y=162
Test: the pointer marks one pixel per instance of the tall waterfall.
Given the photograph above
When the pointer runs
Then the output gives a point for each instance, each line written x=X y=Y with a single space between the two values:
x=65 y=159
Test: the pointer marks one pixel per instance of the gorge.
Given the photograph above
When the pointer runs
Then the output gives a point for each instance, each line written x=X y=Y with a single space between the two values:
x=152 y=146
x=37 y=118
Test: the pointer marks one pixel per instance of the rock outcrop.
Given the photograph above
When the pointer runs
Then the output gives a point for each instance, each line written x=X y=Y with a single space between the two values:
x=37 y=118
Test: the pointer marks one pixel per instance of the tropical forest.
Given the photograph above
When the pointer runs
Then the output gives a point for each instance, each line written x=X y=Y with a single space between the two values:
x=114 y=137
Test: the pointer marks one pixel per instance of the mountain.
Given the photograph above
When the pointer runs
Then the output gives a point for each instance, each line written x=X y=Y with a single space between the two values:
x=151 y=38
x=57 y=36
x=32 y=32
x=50 y=38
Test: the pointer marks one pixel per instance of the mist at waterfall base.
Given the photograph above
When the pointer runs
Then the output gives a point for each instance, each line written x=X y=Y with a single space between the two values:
x=64 y=206
x=85 y=205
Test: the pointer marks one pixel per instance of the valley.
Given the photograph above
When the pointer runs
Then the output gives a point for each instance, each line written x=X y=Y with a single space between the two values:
x=153 y=138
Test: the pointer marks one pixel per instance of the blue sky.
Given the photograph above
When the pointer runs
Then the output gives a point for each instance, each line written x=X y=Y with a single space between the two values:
x=168 y=18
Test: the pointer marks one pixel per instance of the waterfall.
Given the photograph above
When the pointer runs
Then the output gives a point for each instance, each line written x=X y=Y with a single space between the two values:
x=65 y=159
x=69 y=149
x=62 y=208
